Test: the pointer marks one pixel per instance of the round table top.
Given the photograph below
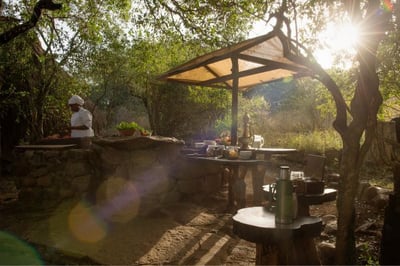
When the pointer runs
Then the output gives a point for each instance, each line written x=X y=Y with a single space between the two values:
x=329 y=194
x=256 y=224
x=274 y=150
x=225 y=161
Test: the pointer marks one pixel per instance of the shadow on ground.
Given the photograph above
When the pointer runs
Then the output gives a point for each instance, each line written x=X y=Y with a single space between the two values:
x=196 y=230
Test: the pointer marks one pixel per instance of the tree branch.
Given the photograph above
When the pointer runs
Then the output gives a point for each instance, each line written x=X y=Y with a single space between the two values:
x=37 y=12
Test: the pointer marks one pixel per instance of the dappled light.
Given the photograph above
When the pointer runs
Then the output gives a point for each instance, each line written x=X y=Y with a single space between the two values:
x=192 y=245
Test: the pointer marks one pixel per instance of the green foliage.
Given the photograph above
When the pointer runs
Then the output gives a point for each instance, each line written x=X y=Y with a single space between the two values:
x=185 y=112
x=212 y=22
x=33 y=91
x=129 y=125
x=367 y=257
x=389 y=58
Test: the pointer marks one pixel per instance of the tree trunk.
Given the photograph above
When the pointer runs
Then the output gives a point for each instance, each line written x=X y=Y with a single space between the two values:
x=364 y=108
x=345 y=239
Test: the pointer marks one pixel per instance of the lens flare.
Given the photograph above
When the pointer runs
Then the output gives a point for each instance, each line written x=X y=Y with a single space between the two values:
x=388 y=5
x=118 y=200
x=85 y=225
x=14 y=251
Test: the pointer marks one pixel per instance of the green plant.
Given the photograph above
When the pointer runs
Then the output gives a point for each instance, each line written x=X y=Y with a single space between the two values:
x=128 y=125
x=367 y=256
x=145 y=132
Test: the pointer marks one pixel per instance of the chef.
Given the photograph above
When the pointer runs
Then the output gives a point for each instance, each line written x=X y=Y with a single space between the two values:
x=81 y=119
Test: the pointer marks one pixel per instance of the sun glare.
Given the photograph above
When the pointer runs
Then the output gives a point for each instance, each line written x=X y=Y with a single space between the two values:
x=337 y=41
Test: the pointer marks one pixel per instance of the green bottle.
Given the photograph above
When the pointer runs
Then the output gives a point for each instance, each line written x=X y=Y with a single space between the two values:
x=284 y=197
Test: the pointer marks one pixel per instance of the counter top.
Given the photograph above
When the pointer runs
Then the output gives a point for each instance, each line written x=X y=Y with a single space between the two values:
x=46 y=147
x=222 y=160
x=135 y=143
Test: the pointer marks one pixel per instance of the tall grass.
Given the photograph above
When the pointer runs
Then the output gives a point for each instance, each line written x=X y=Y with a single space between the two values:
x=310 y=142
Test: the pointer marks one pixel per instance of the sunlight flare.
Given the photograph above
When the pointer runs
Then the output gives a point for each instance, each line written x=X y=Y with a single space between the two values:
x=118 y=200
x=85 y=225
x=338 y=45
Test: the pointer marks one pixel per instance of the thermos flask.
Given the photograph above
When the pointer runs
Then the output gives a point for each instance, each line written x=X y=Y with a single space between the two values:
x=284 y=198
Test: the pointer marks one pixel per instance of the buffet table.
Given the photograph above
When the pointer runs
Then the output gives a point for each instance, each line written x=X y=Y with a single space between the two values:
x=236 y=183
x=269 y=152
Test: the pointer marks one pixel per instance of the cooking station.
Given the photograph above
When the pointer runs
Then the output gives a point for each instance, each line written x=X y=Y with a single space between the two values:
x=144 y=168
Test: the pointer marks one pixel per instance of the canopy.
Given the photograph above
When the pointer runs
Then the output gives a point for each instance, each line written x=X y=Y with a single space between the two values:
x=240 y=67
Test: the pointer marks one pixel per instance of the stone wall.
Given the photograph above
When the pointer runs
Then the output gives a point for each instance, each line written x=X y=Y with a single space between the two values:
x=46 y=177
x=134 y=175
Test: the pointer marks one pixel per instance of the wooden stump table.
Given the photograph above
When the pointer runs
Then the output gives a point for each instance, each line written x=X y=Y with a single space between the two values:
x=306 y=200
x=279 y=244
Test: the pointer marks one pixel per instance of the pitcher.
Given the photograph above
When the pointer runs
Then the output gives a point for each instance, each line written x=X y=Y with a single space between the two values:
x=258 y=141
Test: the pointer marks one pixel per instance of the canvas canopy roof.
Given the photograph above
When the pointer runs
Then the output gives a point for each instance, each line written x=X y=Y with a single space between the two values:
x=252 y=62
x=240 y=67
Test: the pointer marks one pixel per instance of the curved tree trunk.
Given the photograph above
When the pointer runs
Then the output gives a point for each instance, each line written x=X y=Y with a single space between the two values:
x=363 y=112
x=364 y=108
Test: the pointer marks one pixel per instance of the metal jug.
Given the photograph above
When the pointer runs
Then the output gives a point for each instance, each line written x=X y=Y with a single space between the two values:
x=285 y=211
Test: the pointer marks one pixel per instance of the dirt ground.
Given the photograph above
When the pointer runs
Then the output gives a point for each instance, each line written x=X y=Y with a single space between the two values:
x=195 y=231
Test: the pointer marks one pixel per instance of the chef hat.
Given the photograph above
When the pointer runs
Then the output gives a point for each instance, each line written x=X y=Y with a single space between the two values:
x=75 y=99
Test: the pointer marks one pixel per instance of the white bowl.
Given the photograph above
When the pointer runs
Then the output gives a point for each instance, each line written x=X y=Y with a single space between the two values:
x=210 y=142
x=198 y=145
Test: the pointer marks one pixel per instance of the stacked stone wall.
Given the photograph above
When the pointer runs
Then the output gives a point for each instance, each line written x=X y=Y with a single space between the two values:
x=44 y=178
x=141 y=179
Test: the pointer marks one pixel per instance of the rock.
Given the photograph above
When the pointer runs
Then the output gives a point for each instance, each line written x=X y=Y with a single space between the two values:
x=8 y=191
x=370 y=193
x=361 y=189
x=328 y=218
x=331 y=228
x=326 y=253
x=39 y=172
x=51 y=154
x=65 y=193
x=145 y=158
x=380 y=201
x=28 y=181
x=81 y=183
x=76 y=168
x=44 y=181
x=77 y=154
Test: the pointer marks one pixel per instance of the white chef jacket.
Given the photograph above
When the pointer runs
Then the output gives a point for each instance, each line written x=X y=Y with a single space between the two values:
x=80 y=118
